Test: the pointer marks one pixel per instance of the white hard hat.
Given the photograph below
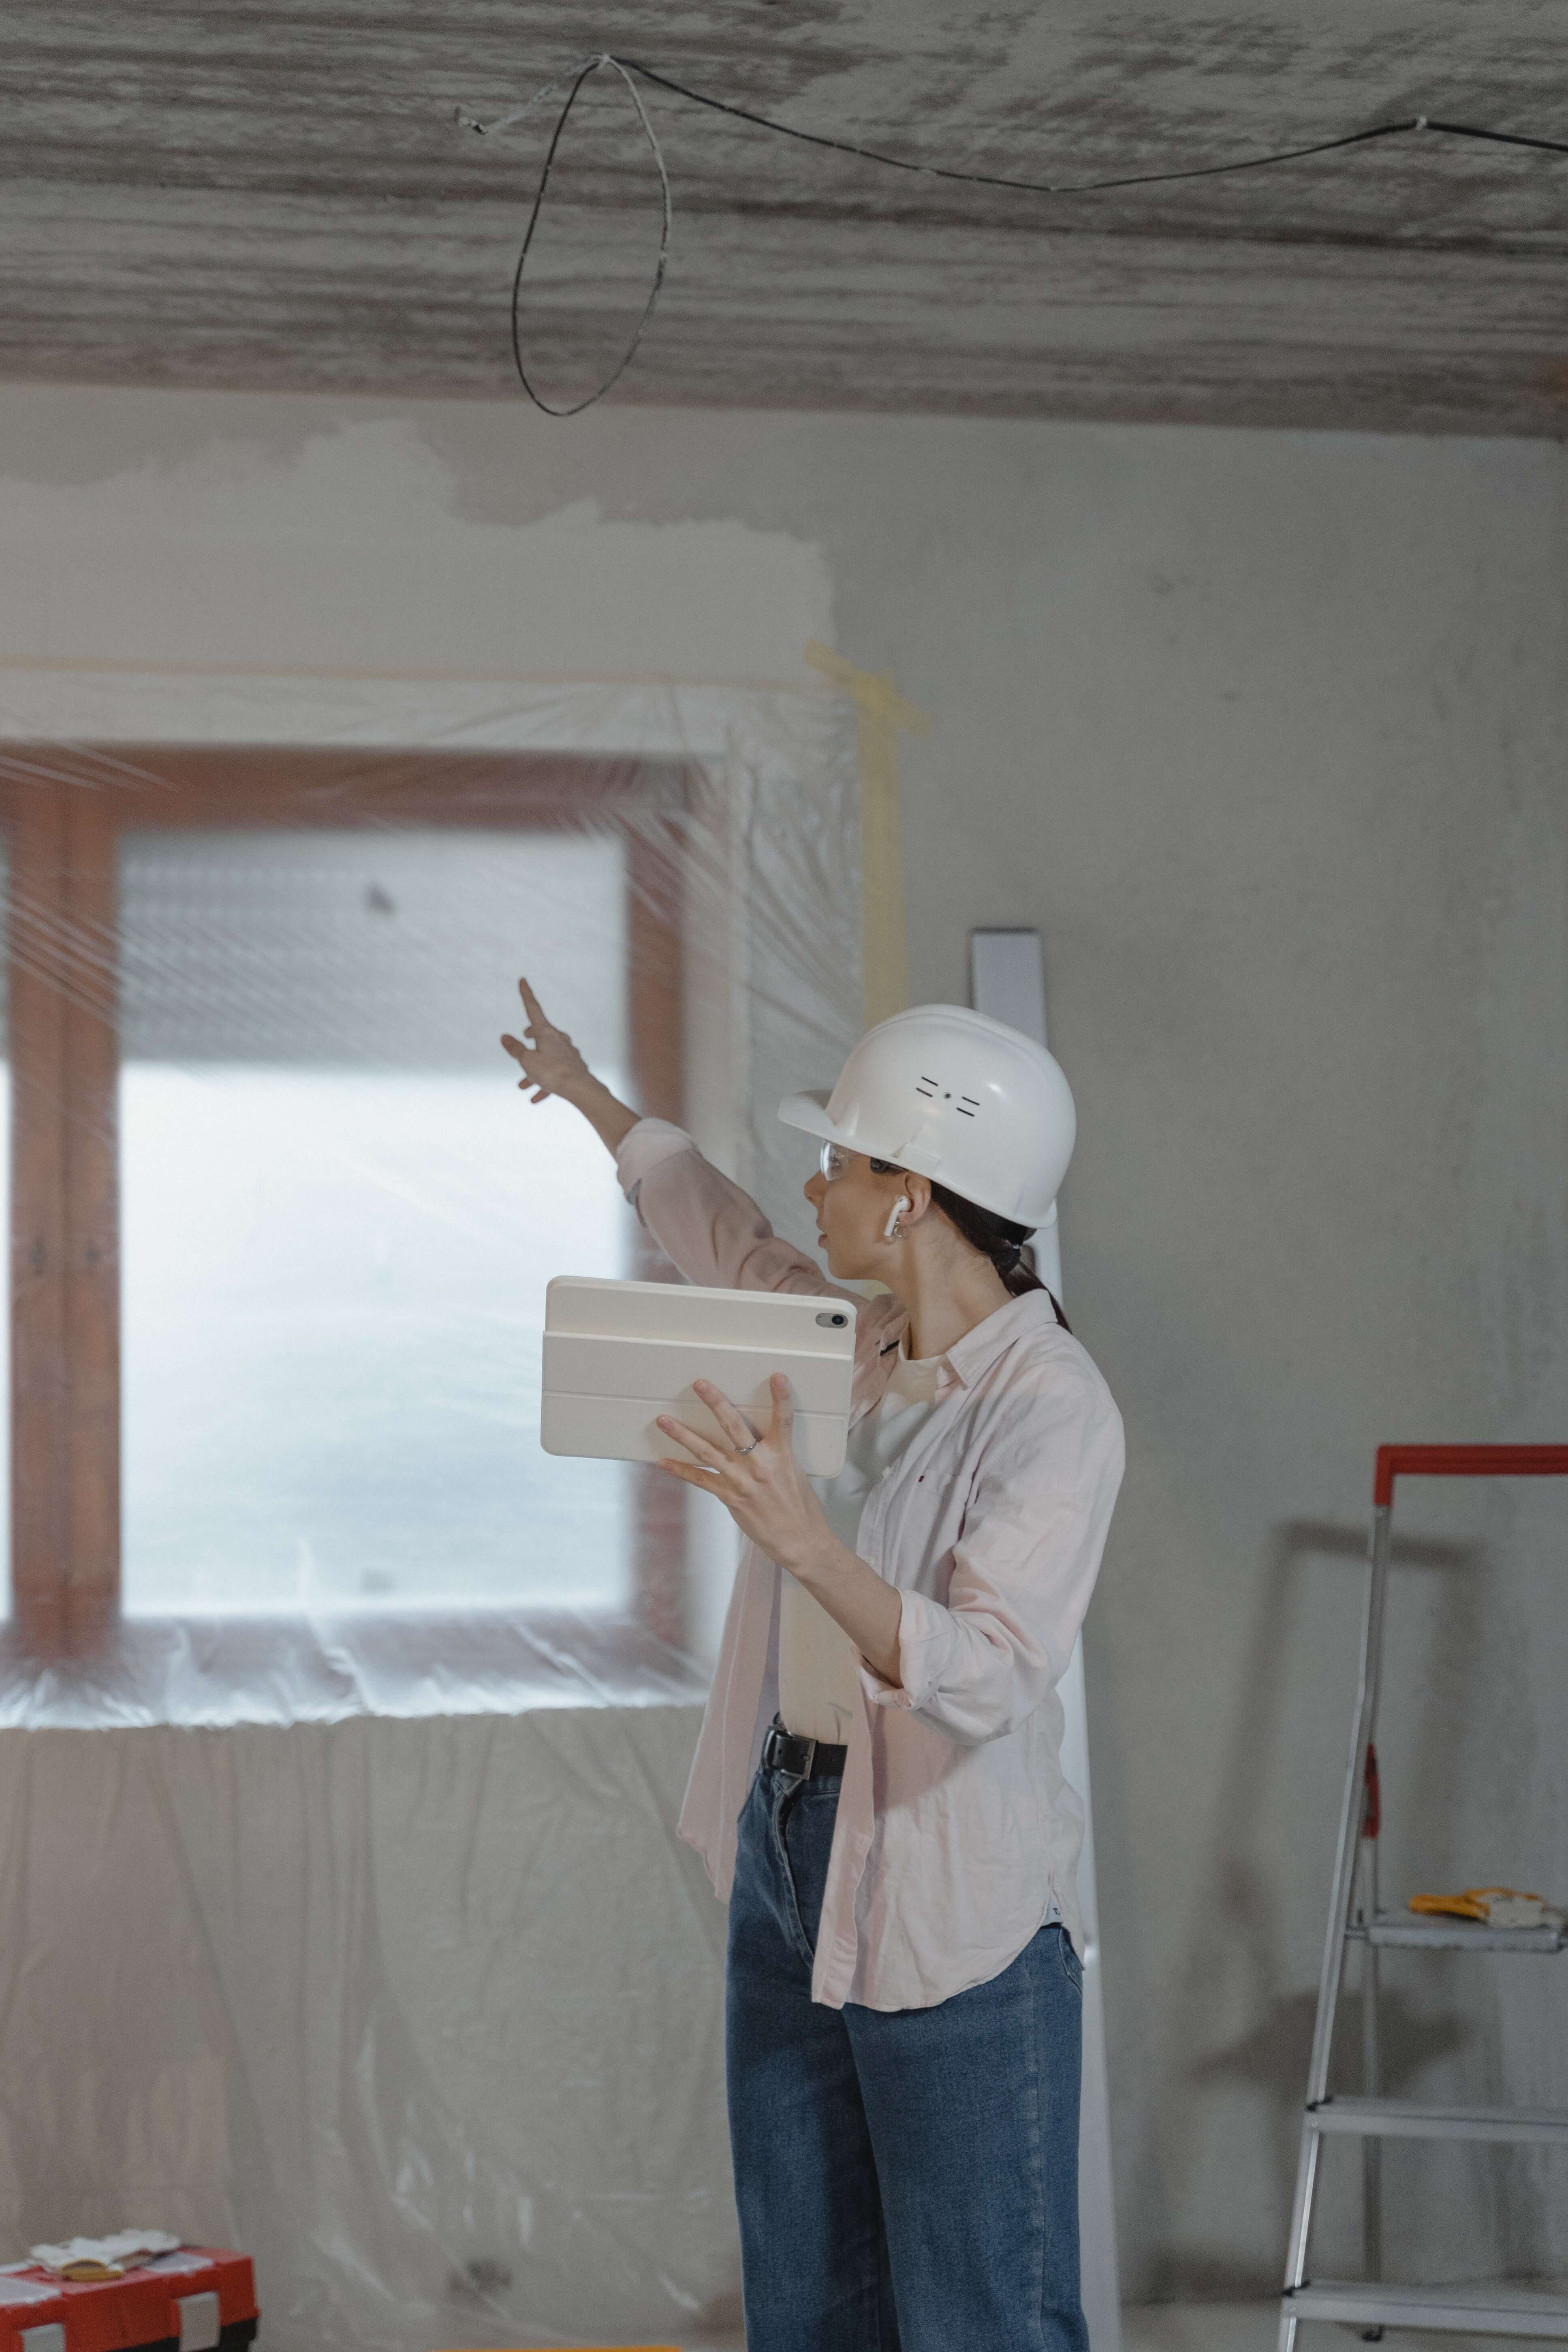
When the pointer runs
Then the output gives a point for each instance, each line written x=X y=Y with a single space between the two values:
x=957 y=1097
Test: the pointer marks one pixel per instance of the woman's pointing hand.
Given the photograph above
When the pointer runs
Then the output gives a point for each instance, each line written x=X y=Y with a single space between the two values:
x=548 y=1059
x=550 y=1065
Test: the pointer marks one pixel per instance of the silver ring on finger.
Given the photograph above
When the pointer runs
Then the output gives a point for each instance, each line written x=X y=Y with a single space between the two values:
x=743 y=1450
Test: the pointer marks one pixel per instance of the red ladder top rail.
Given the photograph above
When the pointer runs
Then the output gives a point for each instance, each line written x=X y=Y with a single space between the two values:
x=1465 y=1462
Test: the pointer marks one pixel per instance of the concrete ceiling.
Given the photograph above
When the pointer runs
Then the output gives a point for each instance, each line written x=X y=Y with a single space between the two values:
x=228 y=194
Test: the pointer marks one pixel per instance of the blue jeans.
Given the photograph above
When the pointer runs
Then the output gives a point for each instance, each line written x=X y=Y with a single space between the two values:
x=906 y=2180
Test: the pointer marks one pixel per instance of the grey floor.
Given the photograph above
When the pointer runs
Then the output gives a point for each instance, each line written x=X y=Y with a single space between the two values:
x=1228 y=2327
x=1163 y=2327
x=1255 y=2328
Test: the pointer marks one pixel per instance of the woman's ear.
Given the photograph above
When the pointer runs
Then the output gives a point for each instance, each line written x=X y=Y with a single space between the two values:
x=917 y=1190
x=891 y=1230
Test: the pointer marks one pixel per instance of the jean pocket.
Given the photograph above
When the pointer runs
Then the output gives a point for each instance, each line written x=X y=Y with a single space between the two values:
x=1071 y=1966
x=804 y=1822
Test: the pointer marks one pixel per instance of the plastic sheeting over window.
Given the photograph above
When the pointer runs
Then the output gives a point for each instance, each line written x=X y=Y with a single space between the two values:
x=343 y=1731
x=284 y=1226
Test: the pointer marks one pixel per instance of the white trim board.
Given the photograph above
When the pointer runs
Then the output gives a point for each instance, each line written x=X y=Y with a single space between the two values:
x=1007 y=981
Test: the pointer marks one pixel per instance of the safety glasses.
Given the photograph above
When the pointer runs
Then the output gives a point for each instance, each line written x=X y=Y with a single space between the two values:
x=833 y=1161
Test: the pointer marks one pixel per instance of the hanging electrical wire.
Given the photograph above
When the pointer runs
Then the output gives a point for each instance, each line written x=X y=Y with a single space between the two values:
x=577 y=77
x=629 y=66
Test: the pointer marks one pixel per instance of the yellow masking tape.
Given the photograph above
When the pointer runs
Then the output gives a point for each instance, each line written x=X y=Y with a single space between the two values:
x=879 y=712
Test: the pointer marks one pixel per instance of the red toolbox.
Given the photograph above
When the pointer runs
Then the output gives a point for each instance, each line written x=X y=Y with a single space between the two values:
x=199 y=2300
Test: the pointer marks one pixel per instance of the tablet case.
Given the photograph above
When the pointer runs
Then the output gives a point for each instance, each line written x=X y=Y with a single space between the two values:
x=617 y=1354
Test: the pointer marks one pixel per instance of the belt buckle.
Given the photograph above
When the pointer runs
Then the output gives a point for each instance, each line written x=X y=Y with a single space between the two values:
x=781 y=1742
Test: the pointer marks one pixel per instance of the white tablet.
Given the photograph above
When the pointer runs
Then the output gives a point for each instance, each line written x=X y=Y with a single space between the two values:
x=617 y=1354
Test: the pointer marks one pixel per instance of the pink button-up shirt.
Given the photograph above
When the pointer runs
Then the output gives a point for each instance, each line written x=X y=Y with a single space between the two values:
x=955 y=1829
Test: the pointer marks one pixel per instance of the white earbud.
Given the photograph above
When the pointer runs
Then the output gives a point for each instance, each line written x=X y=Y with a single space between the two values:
x=890 y=1230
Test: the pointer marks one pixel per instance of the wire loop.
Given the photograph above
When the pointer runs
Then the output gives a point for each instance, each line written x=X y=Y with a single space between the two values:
x=590 y=66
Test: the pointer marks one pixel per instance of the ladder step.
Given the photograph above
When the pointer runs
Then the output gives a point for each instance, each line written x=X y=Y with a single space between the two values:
x=1409 y=2119
x=1415 y=1931
x=1470 y=2310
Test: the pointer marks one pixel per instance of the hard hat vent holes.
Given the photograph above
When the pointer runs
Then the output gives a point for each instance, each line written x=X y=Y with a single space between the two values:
x=926 y=1086
x=967 y=1105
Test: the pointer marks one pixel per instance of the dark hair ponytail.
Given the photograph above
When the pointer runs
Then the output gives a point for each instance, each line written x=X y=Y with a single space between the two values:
x=997 y=1238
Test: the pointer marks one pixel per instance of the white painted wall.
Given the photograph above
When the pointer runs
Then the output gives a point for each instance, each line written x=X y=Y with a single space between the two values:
x=1266 y=734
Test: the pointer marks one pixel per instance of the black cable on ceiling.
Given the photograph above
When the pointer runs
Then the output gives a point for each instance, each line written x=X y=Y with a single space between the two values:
x=629 y=66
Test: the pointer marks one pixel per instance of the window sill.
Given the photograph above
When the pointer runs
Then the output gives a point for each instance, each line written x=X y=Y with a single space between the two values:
x=268 y=1670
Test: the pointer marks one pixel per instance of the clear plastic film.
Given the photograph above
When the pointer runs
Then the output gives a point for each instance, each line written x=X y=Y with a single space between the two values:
x=346 y=1729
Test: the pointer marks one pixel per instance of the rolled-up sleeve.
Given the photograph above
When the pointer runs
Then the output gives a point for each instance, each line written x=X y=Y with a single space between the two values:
x=644 y=1148
x=978 y=1665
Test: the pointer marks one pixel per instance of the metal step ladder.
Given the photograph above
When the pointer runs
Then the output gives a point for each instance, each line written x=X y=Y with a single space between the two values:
x=1368 y=2302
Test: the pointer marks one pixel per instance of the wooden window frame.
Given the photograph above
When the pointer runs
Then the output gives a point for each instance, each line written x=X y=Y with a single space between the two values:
x=63 y=813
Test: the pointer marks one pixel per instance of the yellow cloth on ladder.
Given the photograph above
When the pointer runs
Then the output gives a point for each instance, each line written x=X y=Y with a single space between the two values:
x=1494 y=1907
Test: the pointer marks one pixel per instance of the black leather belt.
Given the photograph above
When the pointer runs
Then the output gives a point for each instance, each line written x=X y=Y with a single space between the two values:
x=809 y=1760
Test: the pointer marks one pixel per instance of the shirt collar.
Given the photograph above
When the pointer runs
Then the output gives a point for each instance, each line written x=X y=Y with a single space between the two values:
x=978 y=1349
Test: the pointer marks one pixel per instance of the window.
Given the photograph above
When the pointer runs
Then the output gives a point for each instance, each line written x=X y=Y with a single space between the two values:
x=283 y=1227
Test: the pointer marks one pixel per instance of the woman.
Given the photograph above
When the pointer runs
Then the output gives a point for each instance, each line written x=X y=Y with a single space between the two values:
x=877 y=1788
